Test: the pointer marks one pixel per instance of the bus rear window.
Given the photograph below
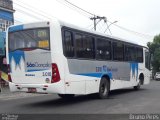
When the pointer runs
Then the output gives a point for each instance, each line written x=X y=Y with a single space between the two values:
x=32 y=38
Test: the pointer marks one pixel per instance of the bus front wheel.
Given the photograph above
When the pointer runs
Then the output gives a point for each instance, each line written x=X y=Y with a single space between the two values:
x=104 y=88
x=138 y=86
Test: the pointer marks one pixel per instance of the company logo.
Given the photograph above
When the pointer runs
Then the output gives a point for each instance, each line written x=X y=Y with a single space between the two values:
x=104 y=68
x=36 y=64
x=16 y=57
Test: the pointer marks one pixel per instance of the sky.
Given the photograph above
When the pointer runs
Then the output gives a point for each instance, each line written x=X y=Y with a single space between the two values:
x=138 y=19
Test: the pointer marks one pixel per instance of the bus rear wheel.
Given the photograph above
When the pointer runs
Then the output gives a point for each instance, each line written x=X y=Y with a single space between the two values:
x=104 y=88
x=66 y=96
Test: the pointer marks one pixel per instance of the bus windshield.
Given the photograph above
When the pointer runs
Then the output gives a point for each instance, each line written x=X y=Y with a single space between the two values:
x=29 y=39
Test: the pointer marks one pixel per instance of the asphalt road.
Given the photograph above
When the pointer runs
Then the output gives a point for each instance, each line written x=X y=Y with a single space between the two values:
x=146 y=100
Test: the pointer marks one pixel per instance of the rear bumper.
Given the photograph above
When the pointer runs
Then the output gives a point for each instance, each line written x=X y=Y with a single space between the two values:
x=40 y=88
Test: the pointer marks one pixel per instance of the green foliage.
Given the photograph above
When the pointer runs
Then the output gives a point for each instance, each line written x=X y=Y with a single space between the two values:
x=156 y=39
x=154 y=48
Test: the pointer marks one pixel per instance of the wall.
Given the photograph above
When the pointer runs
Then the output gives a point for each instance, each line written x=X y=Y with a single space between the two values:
x=2 y=43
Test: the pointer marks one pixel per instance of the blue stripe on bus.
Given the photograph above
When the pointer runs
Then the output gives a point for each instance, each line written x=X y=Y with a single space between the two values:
x=99 y=75
x=134 y=69
x=16 y=28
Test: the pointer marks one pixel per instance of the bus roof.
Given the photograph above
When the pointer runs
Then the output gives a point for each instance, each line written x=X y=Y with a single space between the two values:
x=64 y=24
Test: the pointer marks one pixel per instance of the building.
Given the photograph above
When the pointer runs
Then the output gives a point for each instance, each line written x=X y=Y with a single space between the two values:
x=6 y=19
x=6 y=14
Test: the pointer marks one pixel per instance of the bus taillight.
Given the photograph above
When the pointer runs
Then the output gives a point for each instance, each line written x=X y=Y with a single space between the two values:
x=55 y=73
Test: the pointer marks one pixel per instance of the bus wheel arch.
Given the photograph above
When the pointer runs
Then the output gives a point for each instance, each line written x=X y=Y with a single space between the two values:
x=104 y=87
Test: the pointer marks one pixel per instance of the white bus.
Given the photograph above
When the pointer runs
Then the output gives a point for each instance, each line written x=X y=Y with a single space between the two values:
x=56 y=57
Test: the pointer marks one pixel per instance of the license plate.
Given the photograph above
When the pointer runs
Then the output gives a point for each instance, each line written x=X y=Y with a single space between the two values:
x=32 y=90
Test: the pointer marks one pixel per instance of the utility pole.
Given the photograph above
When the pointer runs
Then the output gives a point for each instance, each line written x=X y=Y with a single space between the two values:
x=95 y=18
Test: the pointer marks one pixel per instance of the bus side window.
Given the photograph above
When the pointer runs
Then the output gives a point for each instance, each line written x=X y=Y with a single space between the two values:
x=118 y=51
x=147 y=60
x=139 y=55
x=68 y=44
x=103 y=49
x=84 y=46
x=130 y=54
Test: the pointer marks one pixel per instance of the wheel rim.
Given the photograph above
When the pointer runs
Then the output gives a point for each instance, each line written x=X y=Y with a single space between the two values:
x=103 y=89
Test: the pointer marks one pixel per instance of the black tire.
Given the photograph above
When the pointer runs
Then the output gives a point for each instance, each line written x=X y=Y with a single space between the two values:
x=141 y=79
x=138 y=86
x=104 y=88
x=66 y=96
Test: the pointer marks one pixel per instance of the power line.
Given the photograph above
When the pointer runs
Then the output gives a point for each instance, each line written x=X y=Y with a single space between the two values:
x=108 y=29
x=134 y=32
x=79 y=7
x=93 y=18
x=35 y=10
x=29 y=9
x=74 y=8
x=128 y=30
x=97 y=17
x=100 y=27
x=32 y=10
x=28 y=14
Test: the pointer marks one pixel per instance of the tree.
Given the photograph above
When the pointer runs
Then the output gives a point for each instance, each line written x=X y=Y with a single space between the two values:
x=154 y=48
